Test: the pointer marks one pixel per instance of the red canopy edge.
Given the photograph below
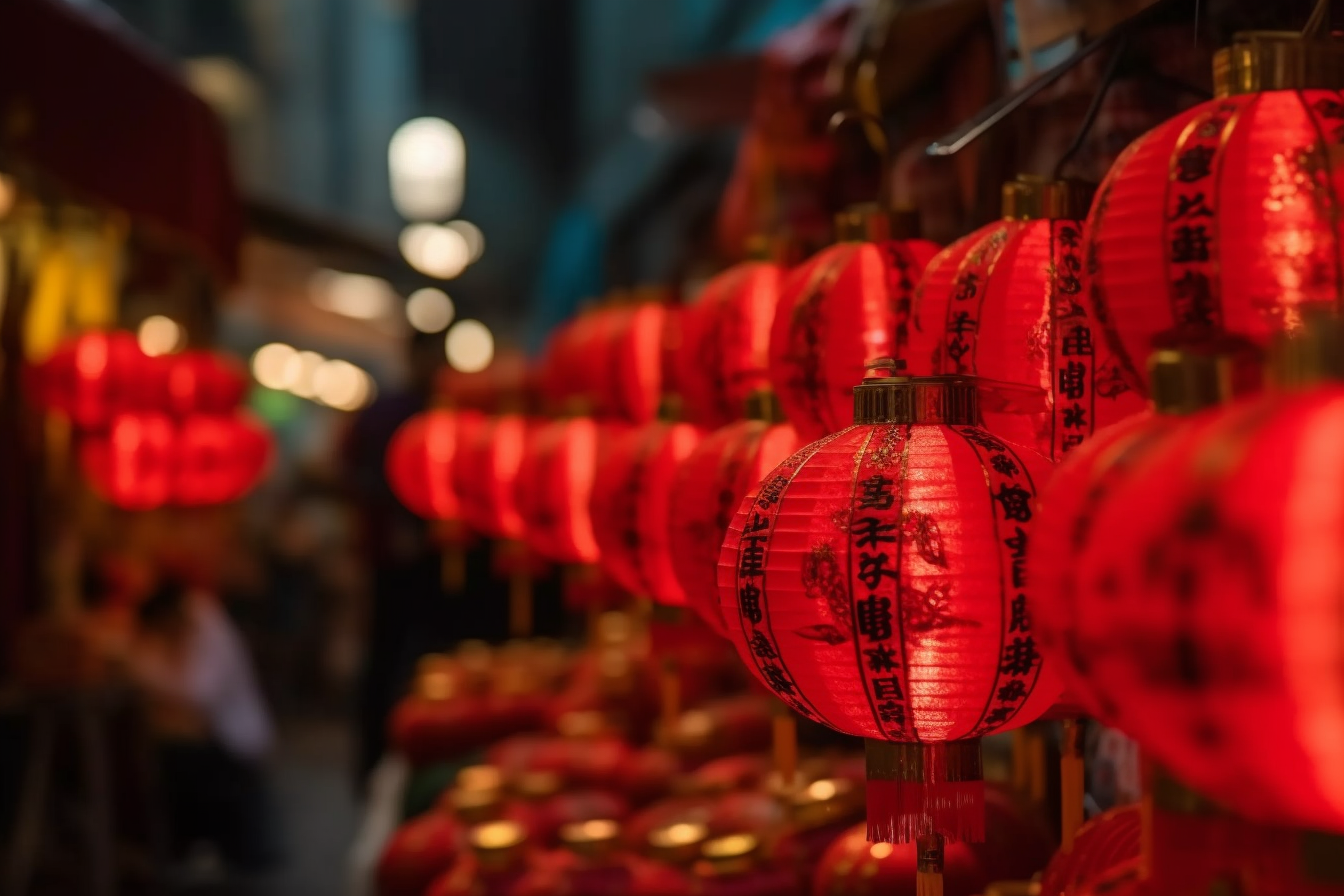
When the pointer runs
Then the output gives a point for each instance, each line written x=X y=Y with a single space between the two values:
x=85 y=103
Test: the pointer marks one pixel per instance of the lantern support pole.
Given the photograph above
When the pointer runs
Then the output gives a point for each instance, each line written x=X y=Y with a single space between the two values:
x=1071 y=781
x=929 y=870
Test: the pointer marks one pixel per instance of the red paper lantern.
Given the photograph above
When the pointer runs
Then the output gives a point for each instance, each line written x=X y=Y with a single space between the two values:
x=1225 y=217
x=725 y=347
x=631 y=501
x=220 y=457
x=1017 y=312
x=1103 y=846
x=1017 y=846
x=417 y=853
x=709 y=485
x=132 y=463
x=934 y=290
x=201 y=382
x=632 y=383
x=1208 y=609
x=844 y=305
x=555 y=488
x=486 y=476
x=877 y=585
x=97 y=375
x=422 y=457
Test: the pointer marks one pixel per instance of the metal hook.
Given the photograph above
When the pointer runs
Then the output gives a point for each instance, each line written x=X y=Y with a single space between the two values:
x=875 y=133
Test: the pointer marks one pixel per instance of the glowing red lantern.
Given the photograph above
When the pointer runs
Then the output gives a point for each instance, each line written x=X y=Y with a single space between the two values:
x=202 y=382
x=421 y=459
x=554 y=489
x=1224 y=218
x=725 y=343
x=96 y=376
x=877 y=585
x=709 y=485
x=632 y=383
x=486 y=476
x=844 y=305
x=1205 y=608
x=1104 y=845
x=419 y=851
x=132 y=463
x=1017 y=846
x=631 y=501
x=934 y=290
x=219 y=458
x=1017 y=312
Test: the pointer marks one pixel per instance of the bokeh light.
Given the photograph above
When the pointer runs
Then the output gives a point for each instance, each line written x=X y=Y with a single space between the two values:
x=159 y=335
x=470 y=346
x=430 y=310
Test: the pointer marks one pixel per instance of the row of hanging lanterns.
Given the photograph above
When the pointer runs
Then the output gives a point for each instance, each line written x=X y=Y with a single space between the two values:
x=918 y=575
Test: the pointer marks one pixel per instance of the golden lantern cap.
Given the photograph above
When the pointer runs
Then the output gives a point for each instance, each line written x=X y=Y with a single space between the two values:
x=1309 y=353
x=595 y=838
x=476 y=806
x=678 y=843
x=1189 y=375
x=498 y=845
x=871 y=222
x=1277 y=60
x=479 y=777
x=1033 y=198
x=733 y=854
x=538 y=785
x=888 y=395
x=763 y=405
x=822 y=802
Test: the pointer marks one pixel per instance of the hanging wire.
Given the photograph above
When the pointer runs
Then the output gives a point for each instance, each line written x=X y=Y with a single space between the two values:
x=1319 y=22
x=1094 y=108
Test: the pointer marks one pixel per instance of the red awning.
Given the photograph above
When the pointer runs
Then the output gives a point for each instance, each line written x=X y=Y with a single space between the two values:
x=90 y=107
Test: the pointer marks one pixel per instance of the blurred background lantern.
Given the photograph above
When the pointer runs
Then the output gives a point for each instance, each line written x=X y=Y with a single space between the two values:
x=1017 y=313
x=877 y=585
x=132 y=463
x=554 y=490
x=219 y=458
x=725 y=343
x=422 y=458
x=204 y=382
x=1223 y=217
x=847 y=304
x=97 y=375
x=485 y=475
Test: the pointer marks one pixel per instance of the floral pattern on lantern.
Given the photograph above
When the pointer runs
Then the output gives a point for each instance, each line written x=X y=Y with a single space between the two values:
x=725 y=347
x=877 y=584
x=1209 y=611
x=846 y=304
x=709 y=485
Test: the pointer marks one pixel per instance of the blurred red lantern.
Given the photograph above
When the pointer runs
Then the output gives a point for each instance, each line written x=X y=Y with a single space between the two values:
x=846 y=304
x=1017 y=846
x=1205 y=609
x=417 y=853
x=1017 y=312
x=486 y=476
x=220 y=457
x=421 y=461
x=554 y=490
x=631 y=501
x=632 y=383
x=725 y=343
x=132 y=463
x=877 y=585
x=1225 y=217
x=934 y=290
x=709 y=485
x=96 y=376
x=1104 y=845
x=202 y=382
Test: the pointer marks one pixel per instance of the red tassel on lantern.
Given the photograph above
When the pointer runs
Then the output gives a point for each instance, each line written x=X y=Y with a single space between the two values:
x=709 y=485
x=725 y=352
x=422 y=458
x=876 y=585
x=630 y=505
x=844 y=305
x=1203 y=609
x=1017 y=313
x=1226 y=217
x=554 y=489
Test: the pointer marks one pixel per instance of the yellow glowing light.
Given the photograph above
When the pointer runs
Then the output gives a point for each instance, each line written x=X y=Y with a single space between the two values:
x=270 y=365
x=881 y=850
x=429 y=310
x=353 y=295
x=470 y=346
x=680 y=834
x=341 y=385
x=472 y=234
x=497 y=835
x=435 y=251
x=426 y=162
x=301 y=371
x=159 y=335
x=9 y=194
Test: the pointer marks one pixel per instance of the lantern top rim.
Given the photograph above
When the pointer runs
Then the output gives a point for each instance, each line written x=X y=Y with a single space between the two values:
x=1189 y=376
x=900 y=398
x=1029 y=197
x=1277 y=60
x=872 y=222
